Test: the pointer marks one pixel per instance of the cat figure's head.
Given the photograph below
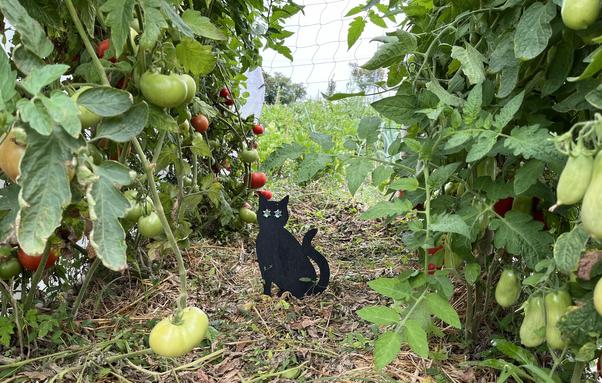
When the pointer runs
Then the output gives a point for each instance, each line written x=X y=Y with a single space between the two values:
x=272 y=213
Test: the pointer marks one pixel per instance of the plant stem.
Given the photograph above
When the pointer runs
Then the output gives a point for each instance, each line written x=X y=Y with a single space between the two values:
x=89 y=48
x=577 y=372
x=82 y=290
x=469 y=317
x=9 y=292
x=148 y=169
x=427 y=212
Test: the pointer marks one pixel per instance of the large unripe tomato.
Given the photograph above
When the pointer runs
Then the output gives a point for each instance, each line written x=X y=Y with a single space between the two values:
x=200 y=123
x=258 y=129
x=258 y=179
x=172 y=339
x=557 y=304
x=9 y=265
x=507 y=289
x=86 y=117
x=167 y=91
x=598 y=296
x=150 y=226
x=531 y=331
x=580 y=14
x=190 y=87
x=249 y=155
x=247 y=215
x=10 y=156
x=31 y=262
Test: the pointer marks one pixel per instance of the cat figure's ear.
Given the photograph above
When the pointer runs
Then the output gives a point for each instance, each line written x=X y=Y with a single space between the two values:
x=262 y=201
x=284 y=201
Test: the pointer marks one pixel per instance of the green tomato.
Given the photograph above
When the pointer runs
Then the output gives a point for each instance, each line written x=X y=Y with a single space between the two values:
x=580 y=14
x=598 y=296
x=247 y=215
x=167 y=91
x=86 y=117
x=574 y=179
x=557 y=304
x=173 y=339
x=591 y=207
x=532 y=330
x=150 y=226
x=190 y=87
x=249 y=155
x=507 y=289
x=9 y=264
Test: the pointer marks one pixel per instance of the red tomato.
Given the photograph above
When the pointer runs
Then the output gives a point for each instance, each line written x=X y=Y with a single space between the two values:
x=31 y=262
x=225 y=92
x=258 y=179
x=258 y=129
x=102 y=47
x=229 y=101
x=434 y=250
x=200 y=123
x=265 y=193
x=432 y=268
x=400 y=193
x=503 y=206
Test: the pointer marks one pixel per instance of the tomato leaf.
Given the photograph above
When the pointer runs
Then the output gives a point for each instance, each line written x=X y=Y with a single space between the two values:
x=369 y=129
x=534 y=30
x=391 y=287
x=311 y=165
x=31 y=33
x=389 y=53
x=7 y=328
x=594 y=66
x=279 y=156
x=202 y=26
x=356 y=28
x=45 y=187
x=105 y=101
x=568 y=249
x=176 y=20
x=444 y=96
x=443 y=310
x=472 y=62
x=532 y=142
x=40 y=77
x=120 y=14
x=126 y=126
x=8 y=80
x=200 y=146
x=386 y=348
x=34 y=113
x=154 y=23
x=196 y=58
x=472 y=272
x=340 y=96
x=519 y=354
x=527 y=176
x=416 y=337
x=450 y=223
x=595 y=97
x=9 y=206
x=106 y=206
x=400 y=108
x=356 y=172
x=379 y=315
x=522 y=236
x=387 y=209
x=63 y=110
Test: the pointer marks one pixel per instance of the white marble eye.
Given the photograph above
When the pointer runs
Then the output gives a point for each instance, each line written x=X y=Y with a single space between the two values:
x=266 y=213
x=278 y=213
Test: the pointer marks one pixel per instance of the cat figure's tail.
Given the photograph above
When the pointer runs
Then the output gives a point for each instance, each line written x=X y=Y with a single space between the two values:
x=319 y=259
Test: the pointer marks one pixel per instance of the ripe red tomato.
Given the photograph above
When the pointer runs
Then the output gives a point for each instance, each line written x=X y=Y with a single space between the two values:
x=265 y=193
x=434 y=250
x=225 y=92
x=432 y=267
x=31 y=262
x=503 y=206
x=102 y=48
x=229 y=101
x=200 y=123
x=258 y=179
x=258 y=129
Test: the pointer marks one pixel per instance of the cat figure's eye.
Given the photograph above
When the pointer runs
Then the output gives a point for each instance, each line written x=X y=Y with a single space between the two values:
x=266 y=213
x=278 y=213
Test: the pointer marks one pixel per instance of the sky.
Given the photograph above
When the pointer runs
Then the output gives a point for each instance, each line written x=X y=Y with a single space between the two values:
x=319 y=46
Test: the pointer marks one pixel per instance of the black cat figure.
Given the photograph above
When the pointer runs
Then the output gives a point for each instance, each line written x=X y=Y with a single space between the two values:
x=282 y=260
